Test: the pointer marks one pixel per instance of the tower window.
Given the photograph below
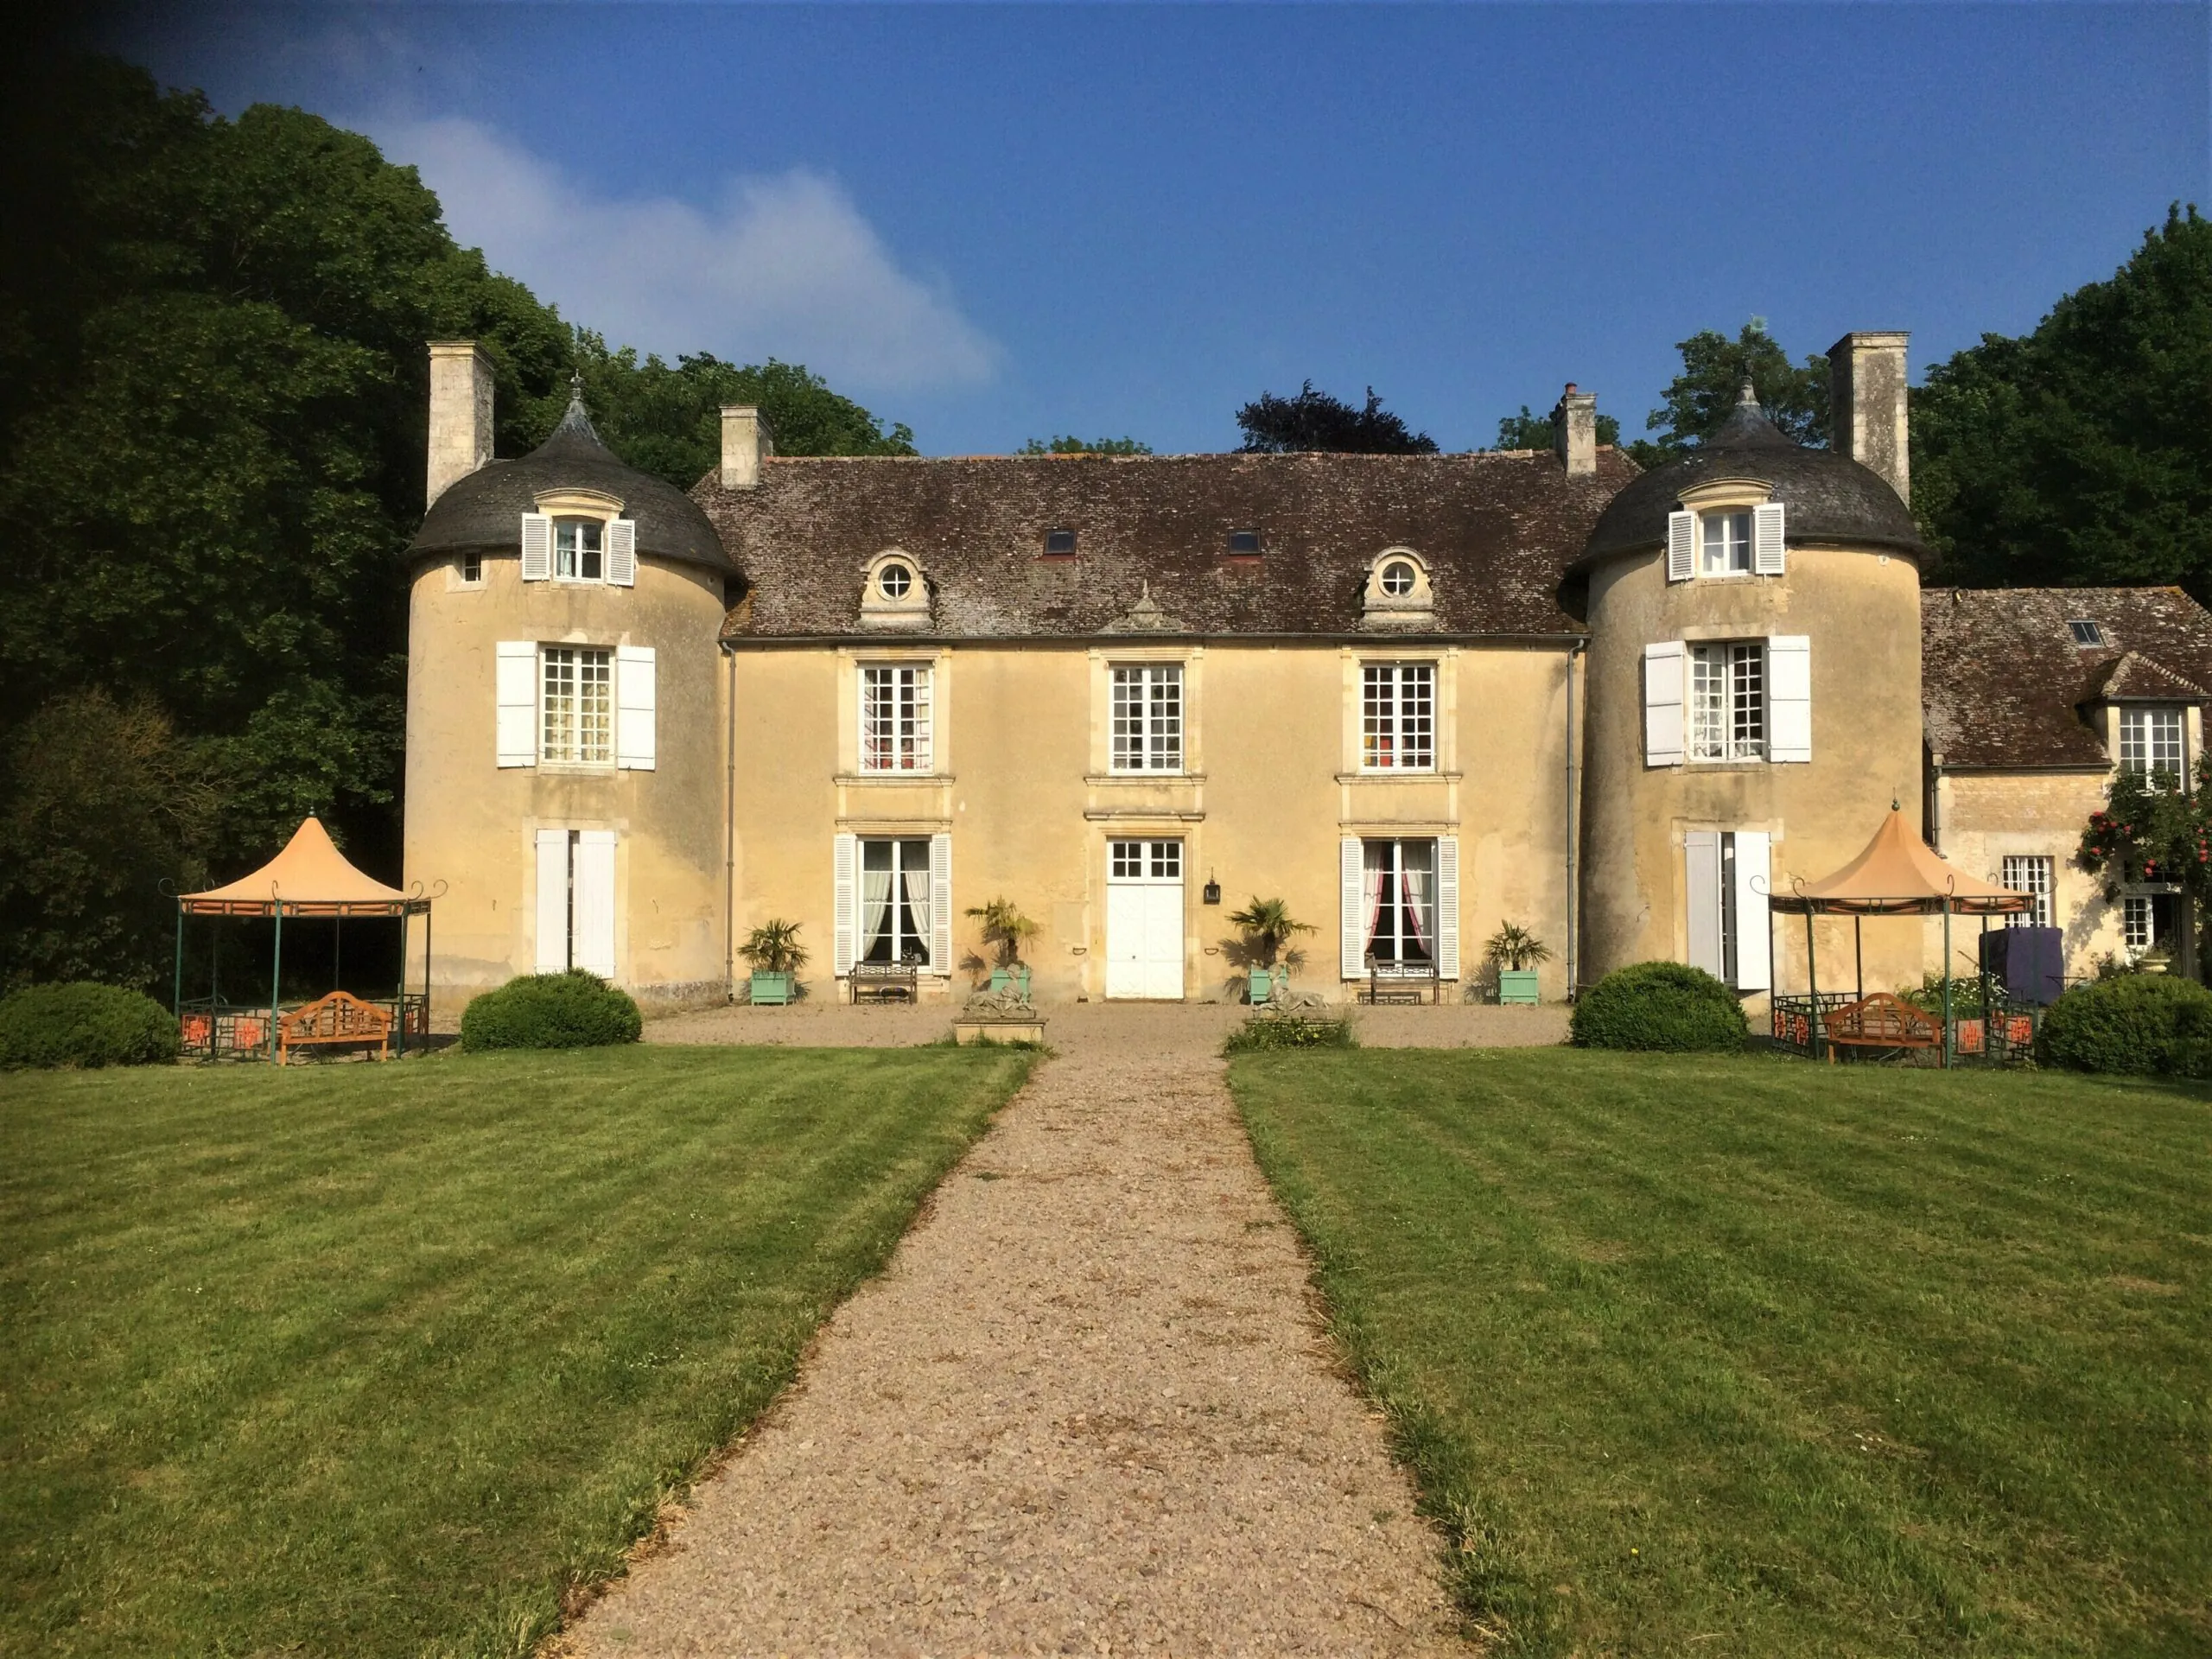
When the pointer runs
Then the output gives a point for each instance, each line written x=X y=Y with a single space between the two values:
x=578 y=554
x=471 y=567
x=1727 y=537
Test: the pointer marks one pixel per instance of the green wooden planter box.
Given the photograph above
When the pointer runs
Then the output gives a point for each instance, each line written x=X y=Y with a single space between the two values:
x=1519 y=987
x=1267 y=984
x=1015 y=979
x=772 y=990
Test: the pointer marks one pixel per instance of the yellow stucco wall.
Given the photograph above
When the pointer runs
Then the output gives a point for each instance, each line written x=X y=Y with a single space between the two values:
x=471 y=824
x=1984 y=816
x=1861 y=612
x=1271 y=783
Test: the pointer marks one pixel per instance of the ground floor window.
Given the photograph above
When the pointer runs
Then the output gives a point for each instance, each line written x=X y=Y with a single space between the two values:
x=575 y=901
x=1398 y=887
x=2029 y=874
x=2151 y=923
x=896 y=914
x=1725 y=890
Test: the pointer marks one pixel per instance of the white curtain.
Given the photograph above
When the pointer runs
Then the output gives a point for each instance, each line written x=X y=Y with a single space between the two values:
x=914 y=877
x=875 y=908
x=1373 y=857
x=1414 y=857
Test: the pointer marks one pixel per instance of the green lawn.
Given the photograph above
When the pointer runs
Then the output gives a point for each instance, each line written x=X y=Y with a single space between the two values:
x=1748 y=1357
x=369 y=1360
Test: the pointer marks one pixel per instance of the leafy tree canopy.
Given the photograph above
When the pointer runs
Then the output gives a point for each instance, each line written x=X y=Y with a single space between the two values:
x=1075 y=446
x=1699 y=399
x=2081 y=453
x=1530 y=431
x=1314 y=420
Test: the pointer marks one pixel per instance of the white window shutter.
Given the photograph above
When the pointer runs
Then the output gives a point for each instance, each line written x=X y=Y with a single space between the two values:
x=1790 y=697
x=1447 y=906
x=622 y=553
x=941 y=904
x=1766 y=539
x=1662 y=703
x=552 y=901
x=537 y=546
x=594 y=948
x=1681 y=546
x=515 y=691
x=1702 y=888
x=1355 y=909
x=844 y=912
x=1754 y=964
x=634 y=676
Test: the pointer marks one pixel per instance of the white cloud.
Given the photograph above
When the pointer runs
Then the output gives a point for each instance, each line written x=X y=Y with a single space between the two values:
x=783 y=266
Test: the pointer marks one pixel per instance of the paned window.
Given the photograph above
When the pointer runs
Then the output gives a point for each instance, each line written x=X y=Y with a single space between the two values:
x=1728 y=700
x=1399 y=891
x=576 y=706
x=1398 y=716
x=1139 y=861
x=894 y=901
x=2151 y=741
x=2087 y=634
x=1727 y=543
x=471 y=567
x=577 y=553
x=2138 y=922
x=896 y=718
x=2029 y=874
x=1148 y=717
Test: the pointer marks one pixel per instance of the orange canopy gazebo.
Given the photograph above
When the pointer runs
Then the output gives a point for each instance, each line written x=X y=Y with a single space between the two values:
x=309 y=878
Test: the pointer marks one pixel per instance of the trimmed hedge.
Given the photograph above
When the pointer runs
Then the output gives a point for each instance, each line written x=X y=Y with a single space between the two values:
x=1664 y=1005
x=2137 y=1024
x=1268 y=1031
x=85 y=1023
x=570 y=1010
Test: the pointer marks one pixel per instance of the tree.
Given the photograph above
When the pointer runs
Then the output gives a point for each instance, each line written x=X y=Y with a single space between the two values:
x=2081 y=453
x=1315 y=421
x=1702 y=397
x=1075 y=446
x=1529 y=431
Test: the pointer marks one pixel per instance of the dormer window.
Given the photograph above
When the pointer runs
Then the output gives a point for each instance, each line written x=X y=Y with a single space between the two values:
x=895 y=580
x=1727 y=539
x=577 y=552
x=1398 y=578
x=2087 y=634
x=1719 y=533
x=2151 y=743
x=1397 y=594
x=1059 y=543
x=579 y=536
x=1244 y=544
x=893 y=594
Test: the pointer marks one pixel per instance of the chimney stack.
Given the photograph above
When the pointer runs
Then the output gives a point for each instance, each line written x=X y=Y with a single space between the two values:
x=747 y=443
x=1574 y=431
x=1866 y=403
x=460 y=413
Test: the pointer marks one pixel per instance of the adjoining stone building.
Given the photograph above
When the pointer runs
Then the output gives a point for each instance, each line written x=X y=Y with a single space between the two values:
x=1414 y=697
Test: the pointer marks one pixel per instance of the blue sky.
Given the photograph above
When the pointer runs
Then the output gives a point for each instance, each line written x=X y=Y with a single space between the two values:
x=996 y=222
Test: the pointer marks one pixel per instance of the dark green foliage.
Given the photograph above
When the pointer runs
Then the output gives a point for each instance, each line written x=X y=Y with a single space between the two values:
x=2081 y=453
x=1315 y=421
x=2134 y=1024
x=1075 y=446
x=86 y=1025
x=1659 y=1005
x=1703 y=396
x=1279 y=1030
x=570 y=1010
x=1531 y=431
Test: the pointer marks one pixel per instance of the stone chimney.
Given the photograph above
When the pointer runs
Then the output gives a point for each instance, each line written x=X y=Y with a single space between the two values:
x=747 y=443
x=460 y=413
x=1866 y=400
x=1574 y=431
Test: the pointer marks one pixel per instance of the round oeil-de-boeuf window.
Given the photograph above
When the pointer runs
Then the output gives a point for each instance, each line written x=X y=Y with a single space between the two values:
x=895 y=580
x=1397 y=578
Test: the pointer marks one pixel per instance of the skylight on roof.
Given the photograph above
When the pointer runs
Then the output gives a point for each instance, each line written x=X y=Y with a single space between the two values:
x=1245 y=542
x=1059 y=543
x=2087 y=634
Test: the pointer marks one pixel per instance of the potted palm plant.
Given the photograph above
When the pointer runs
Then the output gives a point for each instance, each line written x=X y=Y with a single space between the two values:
x=1268 y=929
x=1004 y=929
x=1515 y=951
x=777 y=956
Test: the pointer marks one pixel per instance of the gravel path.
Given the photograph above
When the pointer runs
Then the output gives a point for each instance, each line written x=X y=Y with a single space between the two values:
x=1086 y=1410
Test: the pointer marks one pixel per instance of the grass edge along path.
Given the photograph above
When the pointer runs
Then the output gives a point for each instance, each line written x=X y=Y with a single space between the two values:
x=1788 y=1360
x=398 y=1360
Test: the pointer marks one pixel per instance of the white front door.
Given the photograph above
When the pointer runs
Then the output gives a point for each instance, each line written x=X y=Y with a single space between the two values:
x=1144 y=920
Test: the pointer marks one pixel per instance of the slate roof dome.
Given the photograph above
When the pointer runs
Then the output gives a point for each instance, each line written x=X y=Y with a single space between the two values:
x=1831 y=498
x=485 y=509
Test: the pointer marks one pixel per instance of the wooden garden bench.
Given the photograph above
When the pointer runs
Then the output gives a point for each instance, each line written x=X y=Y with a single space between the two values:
x=884 y=981
x=1401 y=985
x=1879 y=1020
x=340 y=1017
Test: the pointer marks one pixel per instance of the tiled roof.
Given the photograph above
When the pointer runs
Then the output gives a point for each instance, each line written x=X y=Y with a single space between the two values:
x=1497 y=532
x=2003 y=684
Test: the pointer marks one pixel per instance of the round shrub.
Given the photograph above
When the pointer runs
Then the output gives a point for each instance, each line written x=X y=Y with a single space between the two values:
x=1659 y=1005
x=2137 y=1023
x=85 y=1023
x=570 y=1010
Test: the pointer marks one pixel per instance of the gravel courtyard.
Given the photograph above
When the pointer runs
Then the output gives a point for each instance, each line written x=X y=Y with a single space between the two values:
x=1087 y=1410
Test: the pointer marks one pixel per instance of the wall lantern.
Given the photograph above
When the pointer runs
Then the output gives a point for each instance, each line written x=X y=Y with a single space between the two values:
x=1213 y=890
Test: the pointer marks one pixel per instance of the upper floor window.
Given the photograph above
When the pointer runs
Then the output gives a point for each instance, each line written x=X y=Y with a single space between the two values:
x=1727 y=698
x=1398 y=716
x=1148 y=717
x=577 y=553
x=1726 y=541
x=576 y=709
x=1726 y=538
x=896 y=718
x=2150 y=742
x=579 y=549
x=472 y=569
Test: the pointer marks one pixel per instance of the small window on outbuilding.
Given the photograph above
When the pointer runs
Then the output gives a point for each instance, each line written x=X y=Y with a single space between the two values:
x=1059 y=543
x=2087 y=634
x=1244 y=544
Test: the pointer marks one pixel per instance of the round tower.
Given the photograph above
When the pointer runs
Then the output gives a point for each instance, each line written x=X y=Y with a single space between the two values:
x=566 y=732
x=1753 y=707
